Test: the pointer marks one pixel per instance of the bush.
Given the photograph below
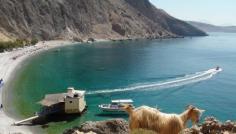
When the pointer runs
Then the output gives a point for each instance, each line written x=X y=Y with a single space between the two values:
x=34 y=41
x=9 y=45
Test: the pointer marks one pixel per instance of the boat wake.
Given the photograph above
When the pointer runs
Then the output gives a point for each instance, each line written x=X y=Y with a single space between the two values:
x=180 y=81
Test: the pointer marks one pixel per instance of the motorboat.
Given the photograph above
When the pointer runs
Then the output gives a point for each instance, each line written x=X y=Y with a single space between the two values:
x=219 y=69
x=115 y=106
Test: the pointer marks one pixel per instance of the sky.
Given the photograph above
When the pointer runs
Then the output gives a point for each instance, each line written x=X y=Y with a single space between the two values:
x=217 y=12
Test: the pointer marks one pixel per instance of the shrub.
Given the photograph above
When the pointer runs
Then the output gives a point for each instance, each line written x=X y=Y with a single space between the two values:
x=9 y=45
x=34 y=41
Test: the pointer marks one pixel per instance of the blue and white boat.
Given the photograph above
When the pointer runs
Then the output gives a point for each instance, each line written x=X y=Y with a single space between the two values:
x=115 y=106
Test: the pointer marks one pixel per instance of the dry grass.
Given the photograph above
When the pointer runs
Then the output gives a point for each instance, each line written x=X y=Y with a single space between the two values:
x=4 y=37
x=143 y=131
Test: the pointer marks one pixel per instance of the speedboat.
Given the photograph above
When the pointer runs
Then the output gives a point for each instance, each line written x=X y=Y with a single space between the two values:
x=115 y=106
x=219 y=69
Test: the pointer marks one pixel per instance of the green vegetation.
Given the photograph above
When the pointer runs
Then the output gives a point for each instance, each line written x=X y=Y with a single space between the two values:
x=9 y=45
x=34 y=41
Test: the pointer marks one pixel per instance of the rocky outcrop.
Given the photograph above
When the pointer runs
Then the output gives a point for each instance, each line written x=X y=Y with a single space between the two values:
x=120 y=126
x=117 y=126
x=212 y=126
x=83 y=19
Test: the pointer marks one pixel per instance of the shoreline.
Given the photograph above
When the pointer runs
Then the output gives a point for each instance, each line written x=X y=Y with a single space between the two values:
x=9 y=61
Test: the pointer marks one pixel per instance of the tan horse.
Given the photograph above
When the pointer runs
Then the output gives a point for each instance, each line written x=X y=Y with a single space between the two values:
x=145 y=117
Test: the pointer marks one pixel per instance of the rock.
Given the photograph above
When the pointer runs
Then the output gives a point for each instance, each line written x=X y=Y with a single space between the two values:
x=77 y=39
x=78 y=132
x=117 y=126
x=90 y=40
x=117 y=28
x=212 y=126
x=192 y=131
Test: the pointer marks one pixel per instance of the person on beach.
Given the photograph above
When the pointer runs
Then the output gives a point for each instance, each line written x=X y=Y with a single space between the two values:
x=1 y=81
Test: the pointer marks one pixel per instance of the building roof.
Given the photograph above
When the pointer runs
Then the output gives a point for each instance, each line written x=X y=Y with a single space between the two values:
x=52 y=99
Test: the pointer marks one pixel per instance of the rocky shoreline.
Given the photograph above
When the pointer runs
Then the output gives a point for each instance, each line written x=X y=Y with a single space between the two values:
x=120 y=126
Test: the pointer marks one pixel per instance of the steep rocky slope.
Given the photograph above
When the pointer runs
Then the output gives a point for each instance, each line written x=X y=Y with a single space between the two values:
x=81 y=19
x=166 y=21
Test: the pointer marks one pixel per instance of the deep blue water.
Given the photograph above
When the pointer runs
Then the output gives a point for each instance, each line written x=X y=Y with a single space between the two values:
x=113 y=65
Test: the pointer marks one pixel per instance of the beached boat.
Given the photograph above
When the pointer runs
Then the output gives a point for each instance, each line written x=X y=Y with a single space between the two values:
x=115 y=106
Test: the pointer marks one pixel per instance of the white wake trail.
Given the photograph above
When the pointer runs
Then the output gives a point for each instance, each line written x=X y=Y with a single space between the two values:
x=188 y=79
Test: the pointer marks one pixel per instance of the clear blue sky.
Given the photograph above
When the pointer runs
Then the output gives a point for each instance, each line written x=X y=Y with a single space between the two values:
x=219 y=12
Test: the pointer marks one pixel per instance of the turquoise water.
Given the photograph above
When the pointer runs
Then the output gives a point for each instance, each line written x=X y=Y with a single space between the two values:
x=113 y=66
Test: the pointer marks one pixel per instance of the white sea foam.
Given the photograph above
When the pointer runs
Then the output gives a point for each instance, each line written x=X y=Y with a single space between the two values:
x=180 y=81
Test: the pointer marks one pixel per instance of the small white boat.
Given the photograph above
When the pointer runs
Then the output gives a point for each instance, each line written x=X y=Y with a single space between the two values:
x=115 y=106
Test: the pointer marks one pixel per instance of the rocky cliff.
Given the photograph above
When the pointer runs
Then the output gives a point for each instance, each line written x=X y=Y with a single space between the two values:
x=116 y=126
x=81 y=19
x=120 y=126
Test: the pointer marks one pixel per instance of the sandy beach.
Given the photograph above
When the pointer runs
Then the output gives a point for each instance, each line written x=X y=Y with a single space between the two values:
x=8 y=62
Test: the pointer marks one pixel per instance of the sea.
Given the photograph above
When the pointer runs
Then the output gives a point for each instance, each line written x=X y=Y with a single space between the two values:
x=168 y=74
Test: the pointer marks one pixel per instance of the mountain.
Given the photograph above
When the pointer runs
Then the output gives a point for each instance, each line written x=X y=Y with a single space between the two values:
x=83 y=19
x=213 y=28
